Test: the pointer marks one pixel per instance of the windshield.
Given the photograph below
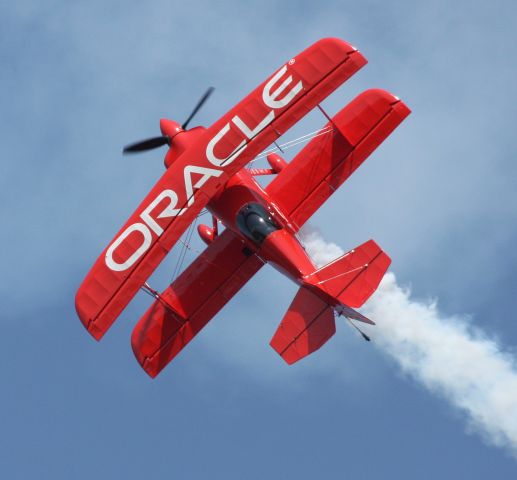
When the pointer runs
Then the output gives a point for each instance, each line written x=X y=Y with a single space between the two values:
x=255 y=222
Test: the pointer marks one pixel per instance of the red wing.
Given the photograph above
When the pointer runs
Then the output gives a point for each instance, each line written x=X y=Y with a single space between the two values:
x=187 y=305
x=329 y=159
x=138 y=249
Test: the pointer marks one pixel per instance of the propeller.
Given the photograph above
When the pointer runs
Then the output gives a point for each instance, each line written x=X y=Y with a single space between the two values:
x=156 y=142
x=200 y=103
x=148 y=144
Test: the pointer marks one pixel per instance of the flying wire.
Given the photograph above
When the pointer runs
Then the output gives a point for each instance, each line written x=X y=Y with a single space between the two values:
x=183 y=251
x=292 y=143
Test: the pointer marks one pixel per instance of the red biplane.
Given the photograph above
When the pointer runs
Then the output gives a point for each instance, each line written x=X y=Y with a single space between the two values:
x=206 y=169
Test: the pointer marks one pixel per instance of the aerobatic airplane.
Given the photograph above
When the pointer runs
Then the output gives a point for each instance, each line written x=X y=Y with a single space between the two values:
x=206 y=168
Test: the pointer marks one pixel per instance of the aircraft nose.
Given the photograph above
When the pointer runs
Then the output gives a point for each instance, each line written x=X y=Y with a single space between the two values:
x=170 y=128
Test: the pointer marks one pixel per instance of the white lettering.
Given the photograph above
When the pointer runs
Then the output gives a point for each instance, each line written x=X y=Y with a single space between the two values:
x=218 y=162
x=168 y=211
x=150 y=224
x=147 y=240
x=206 y=172
x=270 y=98
x=251 y=133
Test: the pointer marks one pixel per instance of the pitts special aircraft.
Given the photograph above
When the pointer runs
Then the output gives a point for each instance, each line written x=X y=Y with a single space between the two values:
x=206 y=169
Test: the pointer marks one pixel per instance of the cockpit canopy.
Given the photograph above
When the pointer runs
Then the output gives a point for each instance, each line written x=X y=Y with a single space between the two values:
x=255 y=222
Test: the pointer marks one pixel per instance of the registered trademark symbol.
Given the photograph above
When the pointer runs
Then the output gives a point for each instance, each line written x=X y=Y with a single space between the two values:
x=292 y=61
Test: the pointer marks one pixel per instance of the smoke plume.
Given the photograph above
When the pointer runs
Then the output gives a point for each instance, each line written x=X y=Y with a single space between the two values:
x=445 y=354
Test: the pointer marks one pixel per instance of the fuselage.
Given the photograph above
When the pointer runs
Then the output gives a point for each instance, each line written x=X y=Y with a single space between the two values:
x=245 y=207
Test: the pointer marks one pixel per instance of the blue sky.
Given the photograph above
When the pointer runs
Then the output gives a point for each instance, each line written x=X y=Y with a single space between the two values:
x=81 y=79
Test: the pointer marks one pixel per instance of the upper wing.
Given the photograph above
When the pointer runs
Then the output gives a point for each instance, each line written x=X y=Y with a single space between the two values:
x=187 y=305
x=217 y=154
x=328 y=160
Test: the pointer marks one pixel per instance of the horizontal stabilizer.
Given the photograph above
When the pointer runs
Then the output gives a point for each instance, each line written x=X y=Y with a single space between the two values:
x=306 y=326
x=352 y=278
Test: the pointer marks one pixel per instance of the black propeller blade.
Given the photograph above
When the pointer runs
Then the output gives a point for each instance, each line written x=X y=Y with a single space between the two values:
x=156 y=142
x=202 y=100
x=148 y=144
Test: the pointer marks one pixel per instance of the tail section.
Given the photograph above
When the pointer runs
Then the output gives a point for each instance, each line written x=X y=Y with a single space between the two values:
x=344 y=283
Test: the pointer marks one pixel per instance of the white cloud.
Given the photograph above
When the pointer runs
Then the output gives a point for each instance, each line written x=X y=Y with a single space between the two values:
x=444 y=353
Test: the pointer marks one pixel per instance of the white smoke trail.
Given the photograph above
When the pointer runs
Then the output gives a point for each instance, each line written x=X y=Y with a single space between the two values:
x=446 y=354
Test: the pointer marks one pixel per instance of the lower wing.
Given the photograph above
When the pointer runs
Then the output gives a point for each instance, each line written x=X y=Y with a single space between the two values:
x=189 y=303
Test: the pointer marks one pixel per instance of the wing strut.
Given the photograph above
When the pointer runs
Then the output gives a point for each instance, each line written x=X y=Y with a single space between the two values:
x=324 y=113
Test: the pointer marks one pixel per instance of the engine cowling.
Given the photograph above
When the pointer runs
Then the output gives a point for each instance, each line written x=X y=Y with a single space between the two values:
x=180 y=139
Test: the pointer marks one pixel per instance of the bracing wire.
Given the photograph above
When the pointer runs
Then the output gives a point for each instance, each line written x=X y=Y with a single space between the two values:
x=179 y=261
x=292 y=143
x=185 y=245
x=183 y=251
